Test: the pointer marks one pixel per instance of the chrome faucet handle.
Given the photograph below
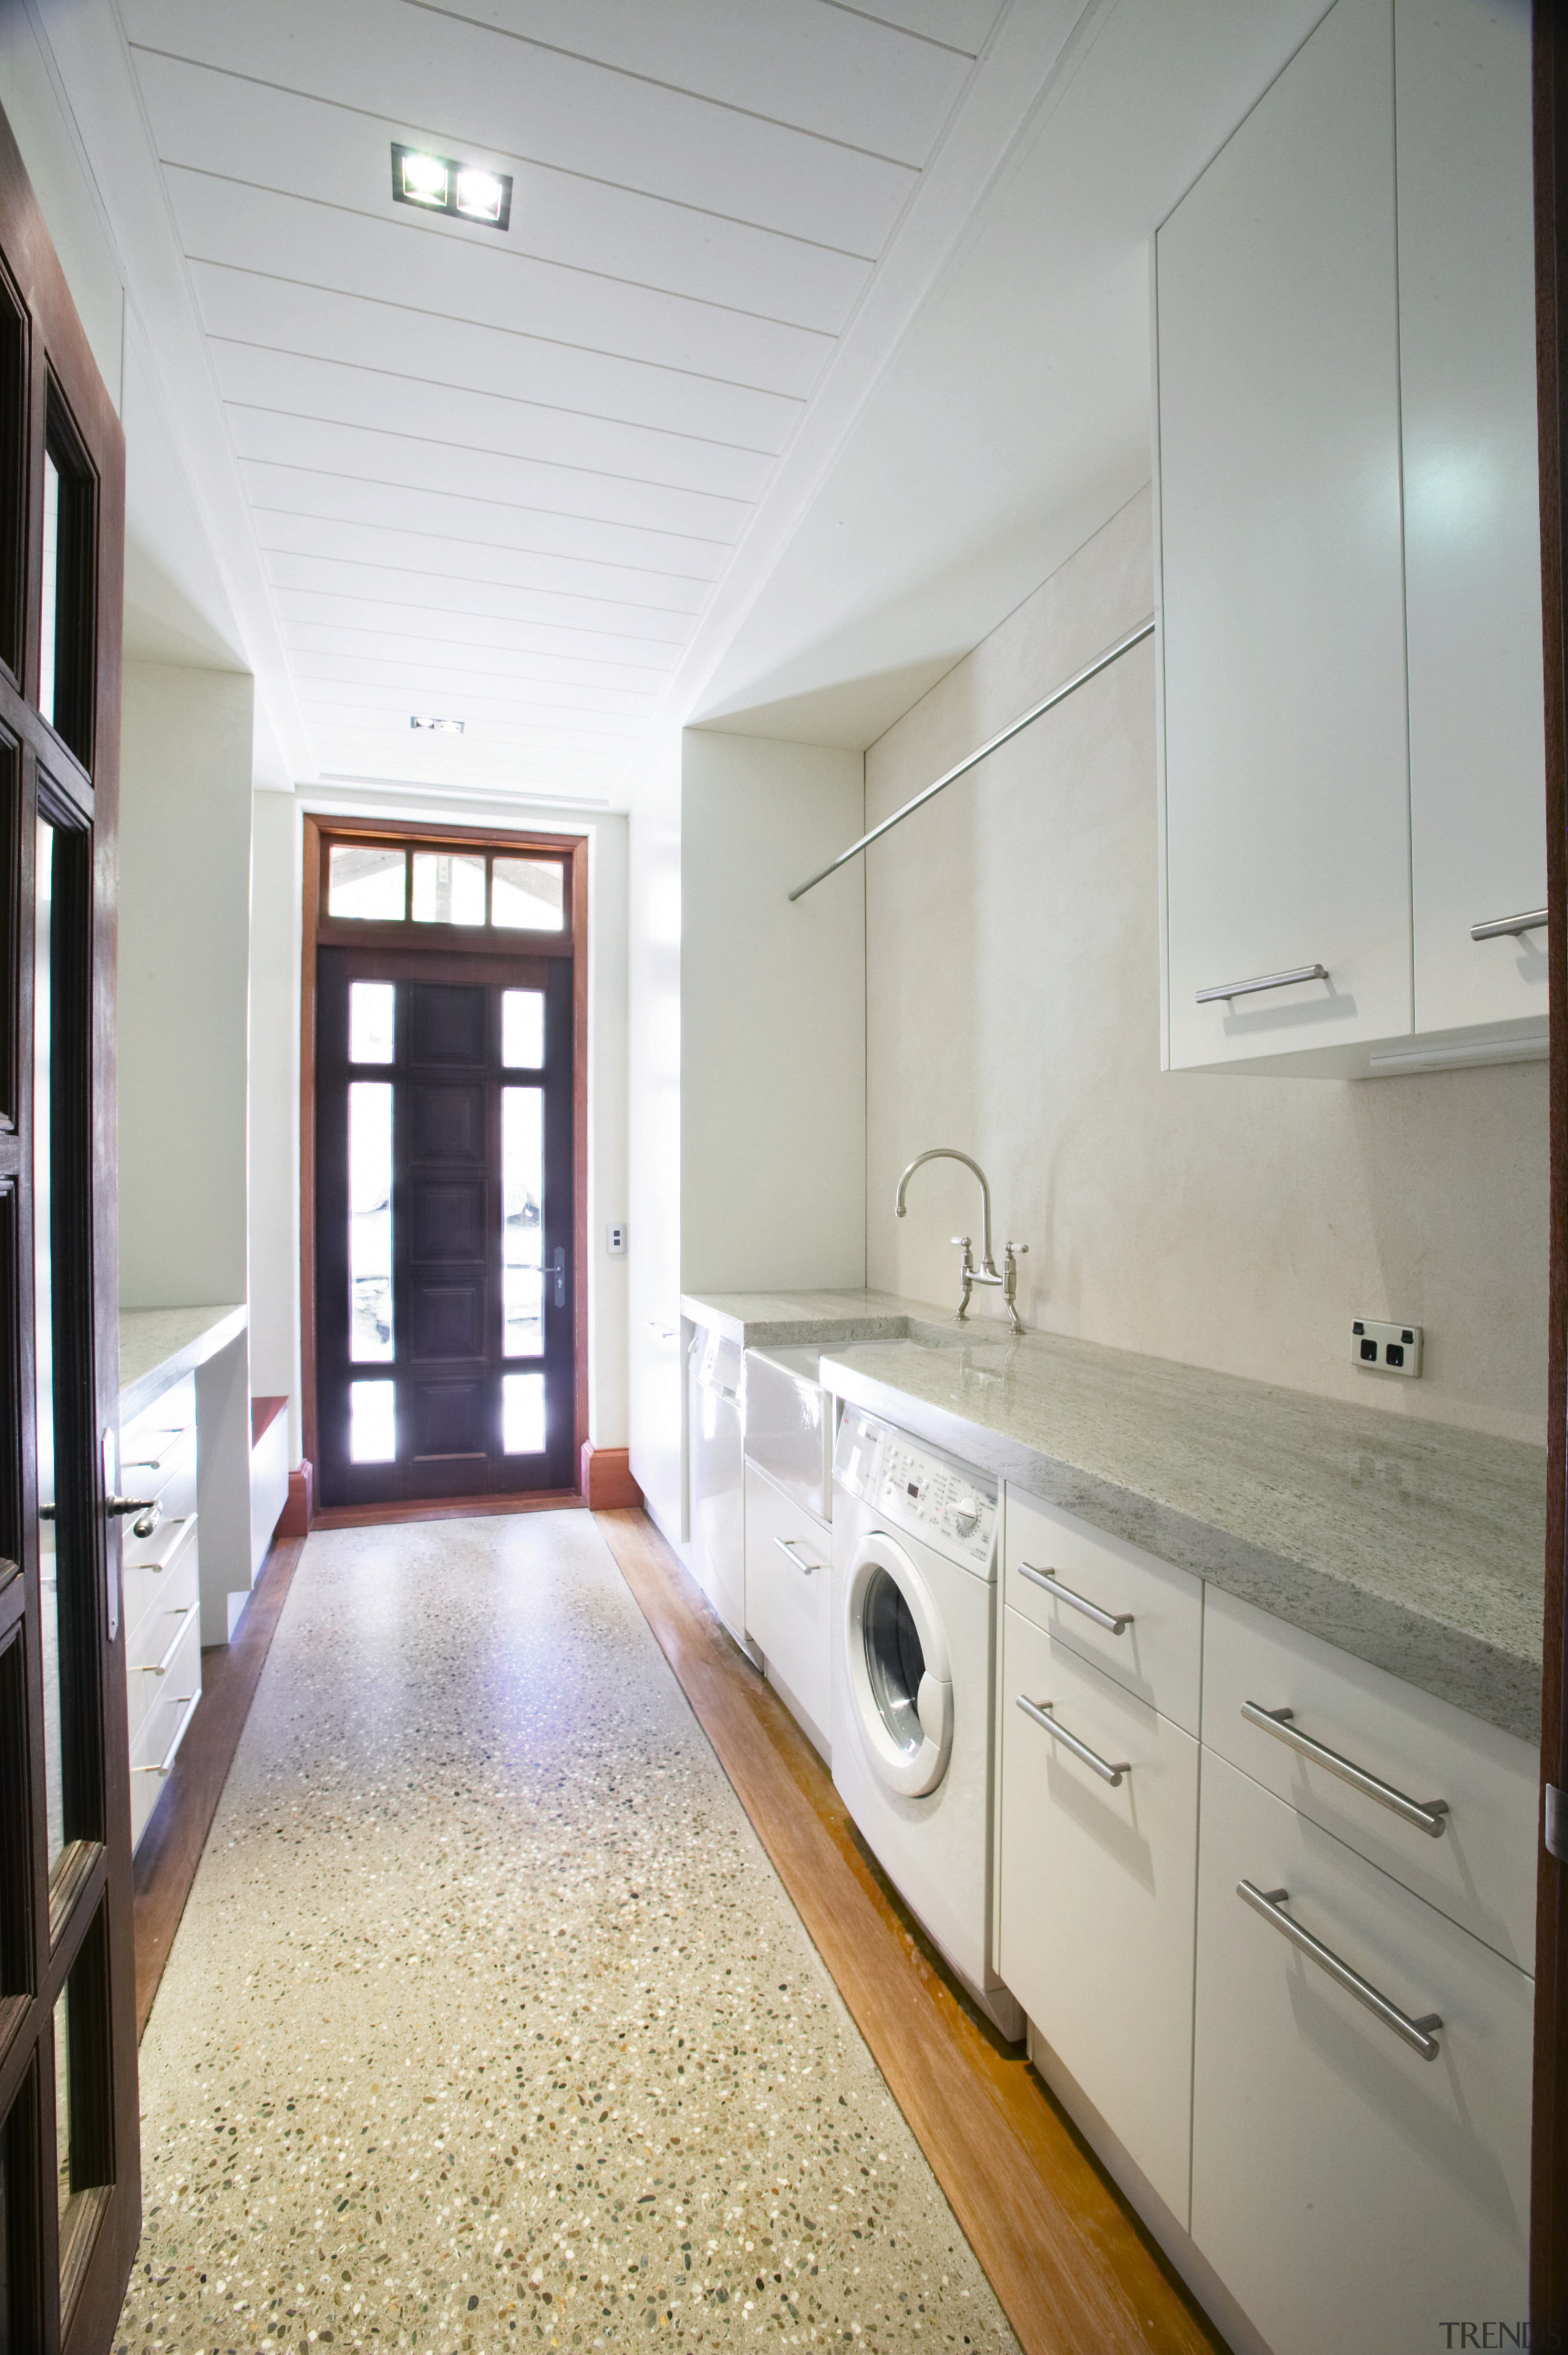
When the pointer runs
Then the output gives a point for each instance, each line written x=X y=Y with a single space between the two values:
x=1010 y=1256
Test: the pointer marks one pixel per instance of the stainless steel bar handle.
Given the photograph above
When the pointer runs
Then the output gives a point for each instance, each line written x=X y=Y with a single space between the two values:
x=1116 y=1623
x=161 y=1667
x=1428 y=1816
x=189 y=1702
x=1264 y=981
x=1533 y=922
x=1419 y=2034
x=1041 y=1714
x=787 y=1548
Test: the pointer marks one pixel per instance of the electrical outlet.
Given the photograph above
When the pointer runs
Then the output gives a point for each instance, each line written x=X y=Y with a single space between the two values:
x=1385 y=1349
x=615 y=1240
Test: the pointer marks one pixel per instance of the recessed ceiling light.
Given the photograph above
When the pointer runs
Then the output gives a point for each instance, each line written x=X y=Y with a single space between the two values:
x=441 y=184
x=440 y=726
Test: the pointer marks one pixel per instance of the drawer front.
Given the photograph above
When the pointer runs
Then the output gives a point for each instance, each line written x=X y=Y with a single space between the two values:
x=1481 y=1871
x=151 y=1431
x=1096 y=1891
x=162 y=1720
x=1158 y=1655
x=789 y=1594
x=166 y=1578
x=165 y=1467
x=1350 y=2194
x=158 y=1652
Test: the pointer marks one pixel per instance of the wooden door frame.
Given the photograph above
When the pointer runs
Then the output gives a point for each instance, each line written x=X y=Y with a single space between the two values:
x=93 y=1895
x=321 y=827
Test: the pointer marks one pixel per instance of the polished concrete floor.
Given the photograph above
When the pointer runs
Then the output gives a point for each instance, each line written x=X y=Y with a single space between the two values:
x=488 y=2023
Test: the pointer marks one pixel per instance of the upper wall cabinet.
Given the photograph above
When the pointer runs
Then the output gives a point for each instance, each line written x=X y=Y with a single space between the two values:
x=1349 y=567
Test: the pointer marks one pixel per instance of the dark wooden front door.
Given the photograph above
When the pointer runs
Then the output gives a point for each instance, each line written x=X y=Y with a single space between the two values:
x=70 y=2143
x=445 y=1225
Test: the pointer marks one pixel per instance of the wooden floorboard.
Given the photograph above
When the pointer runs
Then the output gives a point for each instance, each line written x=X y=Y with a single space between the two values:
x=1072 y=2268
x=176 y=1831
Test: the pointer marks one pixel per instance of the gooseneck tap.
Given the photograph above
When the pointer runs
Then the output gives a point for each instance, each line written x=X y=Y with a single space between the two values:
x=987 y=1270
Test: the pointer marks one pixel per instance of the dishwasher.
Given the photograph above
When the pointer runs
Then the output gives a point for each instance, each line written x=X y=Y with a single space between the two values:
x=716 y=1401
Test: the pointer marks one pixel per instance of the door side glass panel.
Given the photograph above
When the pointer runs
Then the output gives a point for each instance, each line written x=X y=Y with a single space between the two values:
x=371 y=1016
x=367 y=883
x=528 y=895
x=370 y=1220
x=522 y=1223
x=523 y=1030
x=523 y=1414
x=373 y=1422
x=449 y=887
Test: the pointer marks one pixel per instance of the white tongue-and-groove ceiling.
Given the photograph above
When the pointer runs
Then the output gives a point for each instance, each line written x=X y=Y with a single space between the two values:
x=496 y=476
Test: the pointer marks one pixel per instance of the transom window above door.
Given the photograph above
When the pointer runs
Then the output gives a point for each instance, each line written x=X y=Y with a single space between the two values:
x=478 y=890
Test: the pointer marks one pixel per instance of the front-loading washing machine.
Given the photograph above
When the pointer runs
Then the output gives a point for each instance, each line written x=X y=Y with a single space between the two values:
x=914 y=1634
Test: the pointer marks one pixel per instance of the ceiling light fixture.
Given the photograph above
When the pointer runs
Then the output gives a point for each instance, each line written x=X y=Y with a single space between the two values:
x=441 y=184
x=440 y=726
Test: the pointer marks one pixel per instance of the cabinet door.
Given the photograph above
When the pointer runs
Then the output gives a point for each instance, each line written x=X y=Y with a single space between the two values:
x=1472 y=515
x=1096 y=1896
x=1350 y=2194
x=1286 y=785
x=788 y=1599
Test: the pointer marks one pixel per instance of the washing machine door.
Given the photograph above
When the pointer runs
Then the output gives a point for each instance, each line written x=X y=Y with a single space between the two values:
x=900 y=1678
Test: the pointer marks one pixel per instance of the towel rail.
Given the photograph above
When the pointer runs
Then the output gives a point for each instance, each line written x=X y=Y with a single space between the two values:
x=1058 y=695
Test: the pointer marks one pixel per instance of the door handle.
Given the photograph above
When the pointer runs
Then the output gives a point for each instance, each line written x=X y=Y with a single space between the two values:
x=560 y=1273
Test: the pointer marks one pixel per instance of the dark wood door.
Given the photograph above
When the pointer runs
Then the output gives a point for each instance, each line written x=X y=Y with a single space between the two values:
x=69 y=2147
x=445 y=1226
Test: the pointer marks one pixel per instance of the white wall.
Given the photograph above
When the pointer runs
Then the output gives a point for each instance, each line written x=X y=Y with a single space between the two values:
x=772 y=1046
x=274 y=1105
x=43 y=131
x=183 y=984
x=275 y=973
x=747 y=1084
x=1013 y=1011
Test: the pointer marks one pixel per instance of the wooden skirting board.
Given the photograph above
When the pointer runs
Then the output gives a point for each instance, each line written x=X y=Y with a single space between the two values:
x=607 y=1482
x=1072 y=2268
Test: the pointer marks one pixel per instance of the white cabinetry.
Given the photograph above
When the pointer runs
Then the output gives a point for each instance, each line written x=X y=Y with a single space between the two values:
x=1096 y=1879
x=1350 y=2193
x=788 y=1595
x=1346 y=458
x=161 y=1584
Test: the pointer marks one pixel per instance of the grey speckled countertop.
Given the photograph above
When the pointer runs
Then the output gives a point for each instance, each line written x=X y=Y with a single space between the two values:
x=158 y=1344
x=1413 y=1545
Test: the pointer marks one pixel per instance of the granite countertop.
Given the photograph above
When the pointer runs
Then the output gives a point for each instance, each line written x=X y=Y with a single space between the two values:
x=1413 y=1545
x=801 y=1320
x=158 y=1344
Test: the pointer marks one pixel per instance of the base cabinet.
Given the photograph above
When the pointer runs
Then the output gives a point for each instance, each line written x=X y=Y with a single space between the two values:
x=1353 y=2195
x=788 y=1602
x=1097 y=1886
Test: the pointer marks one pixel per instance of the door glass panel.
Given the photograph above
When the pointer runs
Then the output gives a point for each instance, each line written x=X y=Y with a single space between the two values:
x=366 y=882
x=449 y=887
x=370 y=1221
x=523 y=1028
x=523 y=1413
x=523 y=1224
x=371 y=1005
x=373 y=1422
x=529 y=895
x=44 y=1327
x=49 y=618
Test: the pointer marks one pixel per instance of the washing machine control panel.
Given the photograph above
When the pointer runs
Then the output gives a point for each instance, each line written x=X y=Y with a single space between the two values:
x=918 y=1488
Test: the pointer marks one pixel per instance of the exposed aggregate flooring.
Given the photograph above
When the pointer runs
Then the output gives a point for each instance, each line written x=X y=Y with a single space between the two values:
x=489 y=2023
